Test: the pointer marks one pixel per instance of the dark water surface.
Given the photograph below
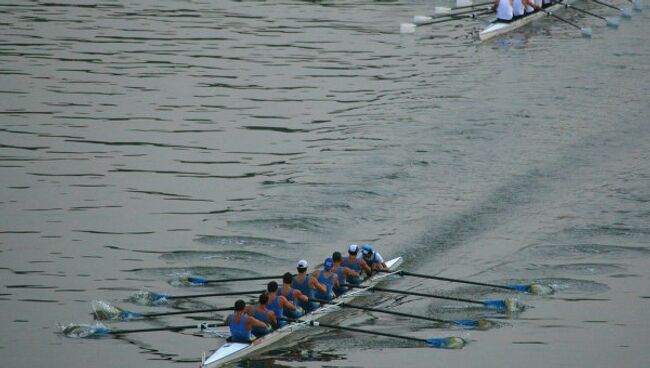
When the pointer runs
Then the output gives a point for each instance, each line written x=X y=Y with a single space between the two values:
x=145 y=139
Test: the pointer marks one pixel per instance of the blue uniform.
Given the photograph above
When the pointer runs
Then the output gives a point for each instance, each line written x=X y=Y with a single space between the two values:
x=356 y=266
x=304 y=287
x=263 y=318
x=290 y=312
x=341 y=288
x=238 y=331
x=329 y=283
x=275 y=307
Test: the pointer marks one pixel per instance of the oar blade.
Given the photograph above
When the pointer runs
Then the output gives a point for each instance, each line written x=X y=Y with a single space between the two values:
x=406 y=28
x=626 y=13
x=452 y=342
x=148 y=298
x=80 y=331
x=639 y=5
x=421 y=19
x=613 y=21
x=467 y=322
x=586 y=32
x=496 y=304
x=481 y=324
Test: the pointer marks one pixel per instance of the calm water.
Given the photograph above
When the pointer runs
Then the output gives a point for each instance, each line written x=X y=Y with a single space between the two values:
x=141 y=140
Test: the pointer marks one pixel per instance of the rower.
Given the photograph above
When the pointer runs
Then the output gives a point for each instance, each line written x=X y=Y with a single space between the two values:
x=504 y=10
x=294 y=296
x=374 y=260
x=356 y=264
x=307 y=285
x=278 y=303
x=519 y=7
x=327 y=278
x=343 y=274
x=533 y=5
x=261 y=313
x=241 y=324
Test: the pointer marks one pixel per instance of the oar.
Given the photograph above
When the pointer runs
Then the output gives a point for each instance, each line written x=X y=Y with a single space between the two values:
x=638 y=4
x=586 y=31
x=442 y=9
x=482 y=324
x=424 y=20
x=201 y=280
x=625 y=12
x=150 y=297
x=611 y=21
x=520 y=288
x=502 y=305
x=451 y=342
x=81 y=330
x=104 y=311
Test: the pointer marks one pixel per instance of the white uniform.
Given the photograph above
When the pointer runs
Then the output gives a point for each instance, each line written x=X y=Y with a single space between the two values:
x=504 y=10
x=518 y=7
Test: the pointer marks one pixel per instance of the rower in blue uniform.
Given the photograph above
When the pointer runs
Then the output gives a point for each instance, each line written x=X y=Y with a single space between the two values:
x=356 y=264
x=241 y=324
x=278 y=303
x=294 y=296
x=327 y=278
x=261 y=313
x=343 y=273
x=307 y=285
x=374 y=260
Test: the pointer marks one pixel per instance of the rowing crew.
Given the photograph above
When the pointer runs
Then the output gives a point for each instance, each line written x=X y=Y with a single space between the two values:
x=509 y=10
x=302 y=293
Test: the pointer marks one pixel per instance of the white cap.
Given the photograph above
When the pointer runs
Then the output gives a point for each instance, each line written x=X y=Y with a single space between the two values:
x=302 y=264
x=353 y=248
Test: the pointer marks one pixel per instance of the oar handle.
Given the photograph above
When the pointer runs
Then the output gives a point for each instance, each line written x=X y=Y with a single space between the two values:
x=214 y=294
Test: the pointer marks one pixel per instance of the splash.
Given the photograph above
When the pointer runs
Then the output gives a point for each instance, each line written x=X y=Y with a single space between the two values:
x=104 y=311
x=541 y=289
x=513 y=305
x=147 y=298
x=74 y=330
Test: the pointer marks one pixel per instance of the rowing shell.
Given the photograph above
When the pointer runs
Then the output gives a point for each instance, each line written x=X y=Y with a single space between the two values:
x=233 y=351
x=496 y=28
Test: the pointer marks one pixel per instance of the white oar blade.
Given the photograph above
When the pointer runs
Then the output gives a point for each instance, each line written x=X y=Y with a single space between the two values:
x=613 y=21
x=421 y=19
x=460 y=3
x=441 y=10
x=407 y=28
x=626 y=12
x=586 y=32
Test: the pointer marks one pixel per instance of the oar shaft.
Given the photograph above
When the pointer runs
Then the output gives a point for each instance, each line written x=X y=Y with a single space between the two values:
x=154 y=329
x=564 y=20
x=584 y=11
x=252 y=292
x=152 y=315
x=253 y=278
x=385 y=311
x=473 y=5
x=605 y=4
x=406 y=273
x=414 y=293
x=337 y=327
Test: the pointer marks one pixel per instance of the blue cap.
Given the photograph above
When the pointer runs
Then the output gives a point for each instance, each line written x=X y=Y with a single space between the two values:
x=329 y=263
x=367 y=249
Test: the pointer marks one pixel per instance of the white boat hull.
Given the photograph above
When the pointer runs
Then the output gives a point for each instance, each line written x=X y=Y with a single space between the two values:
x=231 y=352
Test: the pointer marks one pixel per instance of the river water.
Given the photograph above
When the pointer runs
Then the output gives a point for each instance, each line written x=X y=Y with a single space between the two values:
x=141 y=140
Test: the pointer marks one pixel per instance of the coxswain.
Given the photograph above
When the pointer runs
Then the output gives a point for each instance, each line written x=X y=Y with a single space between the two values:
x=328 y=279
x=343 y=273
x=356 y=264
x=295 y=296
x=278 y=303
x=262 y=313
x=504 y=10
x=307 y=285
x=241 y=324
x=374 y=260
